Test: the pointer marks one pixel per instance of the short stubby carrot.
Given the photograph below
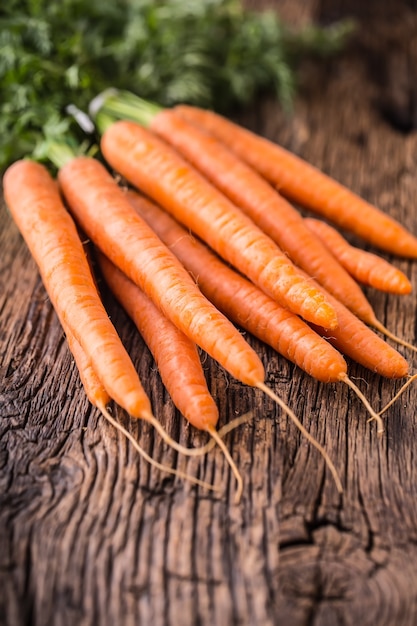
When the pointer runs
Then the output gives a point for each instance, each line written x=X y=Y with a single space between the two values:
x=33 y=199
x=306 y=185
x=106 y=216
x=161 y=173
x=243 y=302
x=176 y=356
x=365 y=267
x=262 y=203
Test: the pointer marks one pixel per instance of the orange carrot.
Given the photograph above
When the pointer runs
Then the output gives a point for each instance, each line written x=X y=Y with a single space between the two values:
x=51 y=236
x=243 y=302
x=175 y=355
x=112 y=224
x=155 y=168
x=107 y=217
x=93 y=388
x=354 y=339
x=306 y=185
x=99 y=398
x=262 y=203
x=366 y=267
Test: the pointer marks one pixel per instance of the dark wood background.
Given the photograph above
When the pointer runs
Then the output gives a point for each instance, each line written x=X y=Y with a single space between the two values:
x=90 y=534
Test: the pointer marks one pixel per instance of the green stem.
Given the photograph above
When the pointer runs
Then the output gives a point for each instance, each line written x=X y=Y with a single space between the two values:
x=59 y=153
x=112 y=105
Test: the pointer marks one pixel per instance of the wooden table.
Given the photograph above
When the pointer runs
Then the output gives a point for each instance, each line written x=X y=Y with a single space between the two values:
x=90 y=534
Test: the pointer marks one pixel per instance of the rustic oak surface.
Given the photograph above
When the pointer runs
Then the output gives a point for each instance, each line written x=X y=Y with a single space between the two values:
x=90 y=534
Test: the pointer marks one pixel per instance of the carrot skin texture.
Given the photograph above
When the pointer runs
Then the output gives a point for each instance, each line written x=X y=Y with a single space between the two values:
x=93 y=388
x=366 y=267
x=51 y=236
x=101 y=209
x=176 y=356
x=243 y=302
x=359 y=342
x=274 y=215
x=306 y=185
x=155 y=168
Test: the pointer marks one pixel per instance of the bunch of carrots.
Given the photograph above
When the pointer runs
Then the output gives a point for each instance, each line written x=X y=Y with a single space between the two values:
x=200 y=240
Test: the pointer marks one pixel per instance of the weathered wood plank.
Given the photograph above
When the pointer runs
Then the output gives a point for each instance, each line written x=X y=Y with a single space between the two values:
x=90 y=533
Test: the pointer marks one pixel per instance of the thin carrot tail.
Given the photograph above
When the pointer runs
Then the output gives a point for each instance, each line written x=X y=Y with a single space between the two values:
x=398 y=394
x=212 y=431
x=305 y=432
x=374 y=415
x=148 y=458
x=384 y=330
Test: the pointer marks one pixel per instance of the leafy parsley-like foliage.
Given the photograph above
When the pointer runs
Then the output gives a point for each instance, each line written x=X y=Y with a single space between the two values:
x=211 y=53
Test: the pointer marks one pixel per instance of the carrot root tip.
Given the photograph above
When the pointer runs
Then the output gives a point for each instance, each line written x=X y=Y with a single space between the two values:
x=374 y=416
x=212 y=431
x=304 y=431
x=398 y=394
x=402 y=342
x=149 y=459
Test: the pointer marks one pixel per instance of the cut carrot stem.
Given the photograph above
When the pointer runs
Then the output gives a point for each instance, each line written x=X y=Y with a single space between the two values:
x=107 y=217
x=51 y=236
x=175 y=354
x=158 y=170
x=306 y=185
x=365 y=267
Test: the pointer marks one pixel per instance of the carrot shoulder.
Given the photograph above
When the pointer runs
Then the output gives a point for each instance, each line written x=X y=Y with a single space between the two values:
x=51 y=236
x=158 y=170
x=106 y=216
x=306 y=185
x=176 y=356
x=366 y=267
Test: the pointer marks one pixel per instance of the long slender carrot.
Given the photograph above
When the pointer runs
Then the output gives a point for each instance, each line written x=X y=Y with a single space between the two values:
x=248 y=306
x=242 y=301
x=306 y=185
x=154 y=167
x=51 y=236
x=258 y=199
x=175 y=354
x=366 y=267
x=107 y=217
x=99 y=398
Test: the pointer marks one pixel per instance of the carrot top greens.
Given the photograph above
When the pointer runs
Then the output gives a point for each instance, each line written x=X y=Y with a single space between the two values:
x=211 y=53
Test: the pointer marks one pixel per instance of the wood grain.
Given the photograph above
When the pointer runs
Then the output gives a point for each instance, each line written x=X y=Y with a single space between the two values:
x=90 y=534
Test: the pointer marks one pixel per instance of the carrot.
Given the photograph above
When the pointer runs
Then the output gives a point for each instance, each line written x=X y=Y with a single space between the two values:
x=242 y=301
x=155 y=168
x=366 y=267
x=112 y=224
x=51 y=236
x=103 y=212
x=306 y=185
x=175 y=354
x=354 y=339
x=248 y=306
x=261 y=202
x=99 y=398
